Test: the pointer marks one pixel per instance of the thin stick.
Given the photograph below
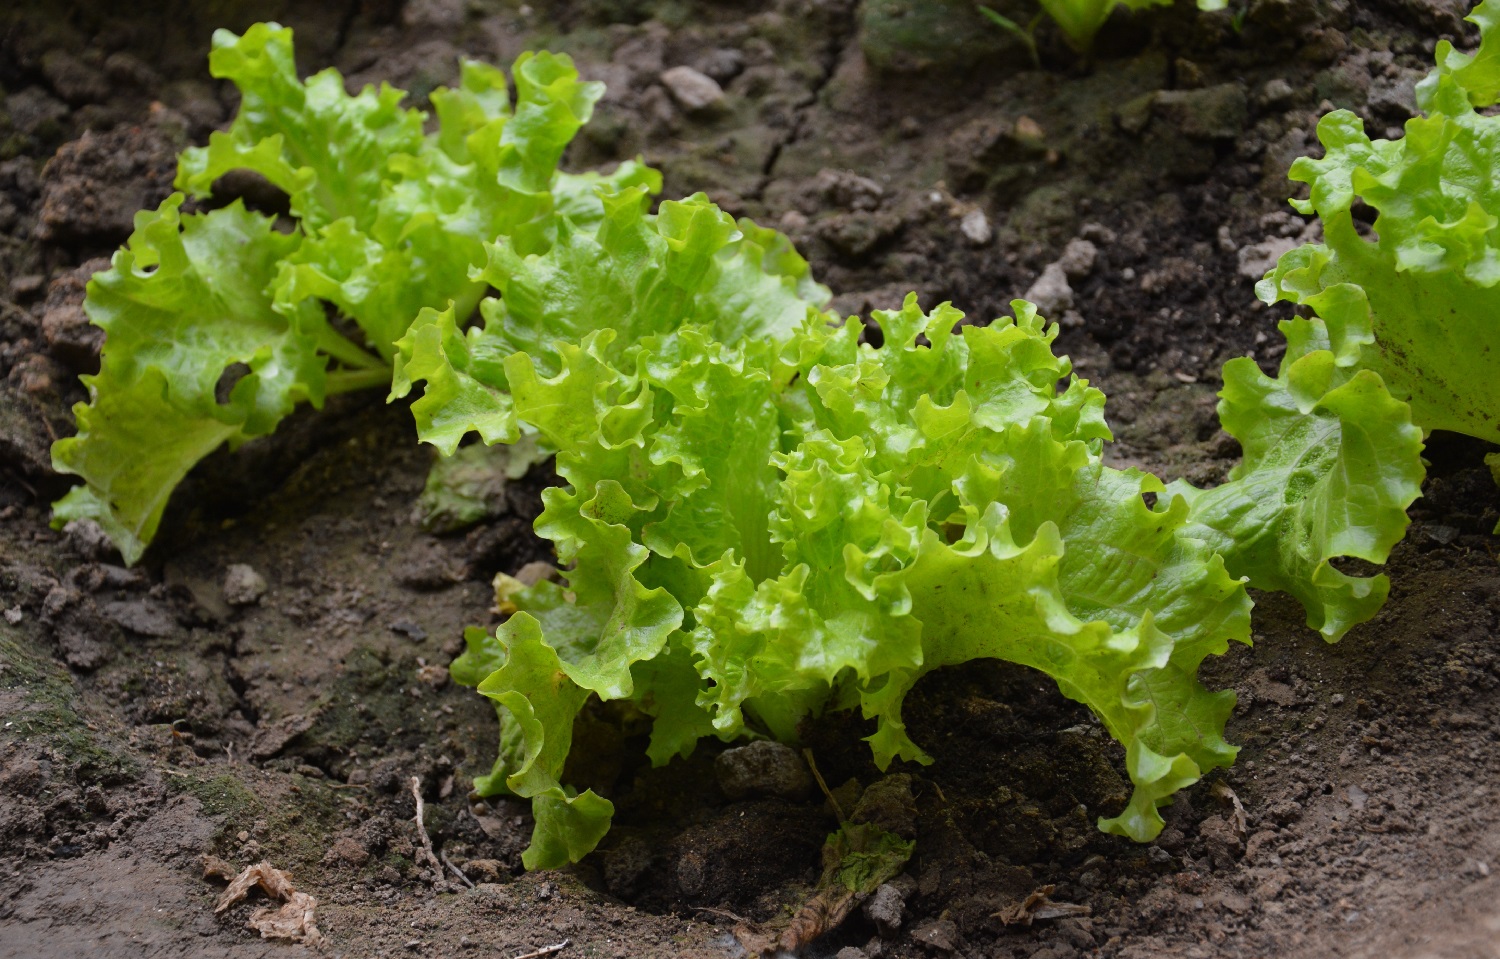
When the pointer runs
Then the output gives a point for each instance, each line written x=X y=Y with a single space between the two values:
x=812 y=764
x=721 y=912
x=544 y=951
x=432 y=859
x=456 y=871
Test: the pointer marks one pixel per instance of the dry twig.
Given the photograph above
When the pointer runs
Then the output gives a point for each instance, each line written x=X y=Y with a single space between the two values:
x=432 y=859
x=544 y=951
x=456 y=871
x=812 y=764
x=721 y=912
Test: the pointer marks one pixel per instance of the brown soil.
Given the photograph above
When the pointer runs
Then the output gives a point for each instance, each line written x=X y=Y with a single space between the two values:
x=145 y=722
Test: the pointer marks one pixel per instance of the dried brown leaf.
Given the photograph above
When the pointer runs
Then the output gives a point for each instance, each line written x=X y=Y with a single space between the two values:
x=1037 y=906
x=294 y=920
x=1224 y=794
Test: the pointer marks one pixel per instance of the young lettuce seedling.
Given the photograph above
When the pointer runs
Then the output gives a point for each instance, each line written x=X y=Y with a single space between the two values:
x=1079 y=20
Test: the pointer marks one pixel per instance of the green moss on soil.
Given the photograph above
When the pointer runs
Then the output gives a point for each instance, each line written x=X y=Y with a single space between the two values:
x=45 y=715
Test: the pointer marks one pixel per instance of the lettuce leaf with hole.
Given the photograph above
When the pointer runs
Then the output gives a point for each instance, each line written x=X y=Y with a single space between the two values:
x=388 y=220
x=1331 y=462
x=185 y=301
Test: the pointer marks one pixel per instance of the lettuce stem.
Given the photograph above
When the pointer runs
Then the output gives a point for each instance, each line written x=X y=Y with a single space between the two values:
x=350 y=381
x=339 y=347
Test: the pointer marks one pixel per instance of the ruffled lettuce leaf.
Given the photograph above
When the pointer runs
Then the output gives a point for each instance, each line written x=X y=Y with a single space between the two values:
x=635 y=274
x=326 y=149
x=755 y=532
x=1331 y=462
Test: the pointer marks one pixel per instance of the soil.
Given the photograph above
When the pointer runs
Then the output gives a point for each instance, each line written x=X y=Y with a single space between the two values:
x=145 y=721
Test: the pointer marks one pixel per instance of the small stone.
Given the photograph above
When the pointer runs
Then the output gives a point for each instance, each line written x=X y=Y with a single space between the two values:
x=1078 y=258
x=243 y=586
x=537 y=571
x=433 y=675
x=693 y=91
x=27 y=285
x=14 y=615
x=975 y=227
x=886 y=909
x=1257 y=259
x=139 y=617
x=763 y=768
x=1442 y=535
x=1097 y=233
x=272 y=738
x=851 y=952
x=1051 y=292
x=941 y=935
x=409 y=629
x=1276 y=93
x=346 y=852
x=848 y=190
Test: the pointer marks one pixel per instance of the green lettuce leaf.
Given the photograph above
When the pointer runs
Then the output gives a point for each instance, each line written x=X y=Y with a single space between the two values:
x=1331 y=462
x=1427 y=280
x=636 y=274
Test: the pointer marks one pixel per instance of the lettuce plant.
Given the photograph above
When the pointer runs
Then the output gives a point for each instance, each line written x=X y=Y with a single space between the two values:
x=756 y=532
x=1080 y=20
x=218 y=324
x=1416 y=301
